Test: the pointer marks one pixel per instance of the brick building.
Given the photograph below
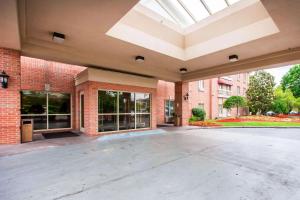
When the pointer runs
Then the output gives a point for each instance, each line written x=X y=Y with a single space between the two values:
x=208 y=94
x=60 y=97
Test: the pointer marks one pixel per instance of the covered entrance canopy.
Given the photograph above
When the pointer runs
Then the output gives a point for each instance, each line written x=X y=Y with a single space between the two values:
x=109 y=34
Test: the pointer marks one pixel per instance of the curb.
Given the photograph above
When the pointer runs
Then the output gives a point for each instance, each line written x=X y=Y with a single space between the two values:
x=224 y=127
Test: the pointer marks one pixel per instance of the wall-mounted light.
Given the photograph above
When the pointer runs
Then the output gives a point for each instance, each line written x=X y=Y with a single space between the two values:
x=139 y=59
x=186 y=96
x=58 y=37
x=233 y=58
x=183 y=70
x=4 y=79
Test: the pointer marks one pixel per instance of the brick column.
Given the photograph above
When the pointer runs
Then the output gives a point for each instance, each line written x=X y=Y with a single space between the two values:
x=10 y=115
x=181 y=104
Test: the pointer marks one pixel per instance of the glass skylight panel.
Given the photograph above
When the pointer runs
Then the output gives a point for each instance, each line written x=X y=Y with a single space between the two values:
x=196 y=9
x=215 y=5
x=232 y=1
x=177 y=11
x=154 y=6
x=186 y=12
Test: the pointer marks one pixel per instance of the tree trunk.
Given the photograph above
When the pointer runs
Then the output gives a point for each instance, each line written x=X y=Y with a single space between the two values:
x=237 y=111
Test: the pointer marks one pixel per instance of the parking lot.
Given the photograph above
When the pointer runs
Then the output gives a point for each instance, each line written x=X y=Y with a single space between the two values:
x=177 y=164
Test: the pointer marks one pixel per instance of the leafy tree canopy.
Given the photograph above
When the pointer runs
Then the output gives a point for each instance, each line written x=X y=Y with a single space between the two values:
x=234 y=101
x=286 y=96
x=260 y=92
x=291 y=80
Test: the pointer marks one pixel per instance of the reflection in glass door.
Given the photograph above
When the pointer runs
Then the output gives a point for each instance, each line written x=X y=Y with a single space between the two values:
x=81 y=112
x=169 y=111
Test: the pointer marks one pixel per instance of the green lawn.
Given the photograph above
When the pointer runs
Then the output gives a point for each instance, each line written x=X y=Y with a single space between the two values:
x=256 y=123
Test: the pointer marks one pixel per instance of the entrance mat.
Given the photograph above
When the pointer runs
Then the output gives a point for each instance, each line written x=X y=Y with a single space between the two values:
x=59 y=135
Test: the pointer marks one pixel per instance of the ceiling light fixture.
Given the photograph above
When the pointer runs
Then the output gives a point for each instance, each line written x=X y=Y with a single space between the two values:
x=183 y=70
x=58 y=37
x=139 y=59
x=233 y=58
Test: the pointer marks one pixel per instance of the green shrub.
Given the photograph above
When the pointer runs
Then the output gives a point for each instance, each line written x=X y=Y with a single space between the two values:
x=193 y=119
x=199 y=113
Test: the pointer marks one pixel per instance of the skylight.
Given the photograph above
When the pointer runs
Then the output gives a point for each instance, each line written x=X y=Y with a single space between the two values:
x=186 y=12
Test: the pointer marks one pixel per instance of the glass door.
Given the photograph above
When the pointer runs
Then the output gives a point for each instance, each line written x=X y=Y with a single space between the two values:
x=81 y=112
x=169 y=111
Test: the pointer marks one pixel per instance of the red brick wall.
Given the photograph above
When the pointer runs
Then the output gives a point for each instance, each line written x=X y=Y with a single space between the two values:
x=208 y=97
x=10 y=97
x=36 y=73
x=165 y=91
x=90 y=90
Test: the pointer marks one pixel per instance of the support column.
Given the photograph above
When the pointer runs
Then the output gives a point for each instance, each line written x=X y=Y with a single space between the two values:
x=10 y=115
x=182 y=110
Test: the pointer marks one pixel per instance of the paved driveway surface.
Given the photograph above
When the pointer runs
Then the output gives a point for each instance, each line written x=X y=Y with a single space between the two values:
x=202 y=164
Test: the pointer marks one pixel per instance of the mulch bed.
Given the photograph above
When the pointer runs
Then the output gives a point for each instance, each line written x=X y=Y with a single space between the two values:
x=204 y=124
x=260 y=119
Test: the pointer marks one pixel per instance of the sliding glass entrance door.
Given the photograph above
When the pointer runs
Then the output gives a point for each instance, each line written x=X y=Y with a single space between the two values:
x=119 y=110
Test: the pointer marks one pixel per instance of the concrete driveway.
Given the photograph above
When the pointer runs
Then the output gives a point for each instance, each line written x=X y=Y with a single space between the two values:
x=212 y=164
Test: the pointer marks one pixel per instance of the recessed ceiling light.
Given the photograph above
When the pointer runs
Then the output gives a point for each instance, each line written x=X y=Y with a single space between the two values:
x=58 y=37
x=139 y=59
x=183 y=70
x=233 y=58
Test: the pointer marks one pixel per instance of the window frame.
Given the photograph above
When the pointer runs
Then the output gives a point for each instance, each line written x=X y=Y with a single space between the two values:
x=47 y=112
x=201 y=87
x=117 y=114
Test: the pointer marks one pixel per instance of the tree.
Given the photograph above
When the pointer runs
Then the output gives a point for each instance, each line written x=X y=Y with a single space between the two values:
x=297 y=104
x=284 y=101
x=234 y=101
x=291 y=80
x=280 y=106
x=260 y=92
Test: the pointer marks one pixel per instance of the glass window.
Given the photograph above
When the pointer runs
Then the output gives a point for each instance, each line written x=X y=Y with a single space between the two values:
x=200 y=85
x=127 y=121
x=127 y=111
x=201 y=105
x=59 y=121
x=177 y=12
x=59 y=103
x=156 y=7
x=107 y=102
x=126 y=102
x=142 y=103
x=215 y=5
x=238 y=90
x=33 y=102
x=196 y=8
x=39 y=122
x=142 y=121
x=233 y=1
x=56 y=113
x=107 y=123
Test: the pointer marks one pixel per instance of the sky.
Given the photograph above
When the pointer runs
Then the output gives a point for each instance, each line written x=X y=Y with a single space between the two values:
x=279 y=72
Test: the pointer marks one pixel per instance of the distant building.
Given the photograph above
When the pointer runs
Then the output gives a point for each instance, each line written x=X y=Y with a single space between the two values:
x=208 y=94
